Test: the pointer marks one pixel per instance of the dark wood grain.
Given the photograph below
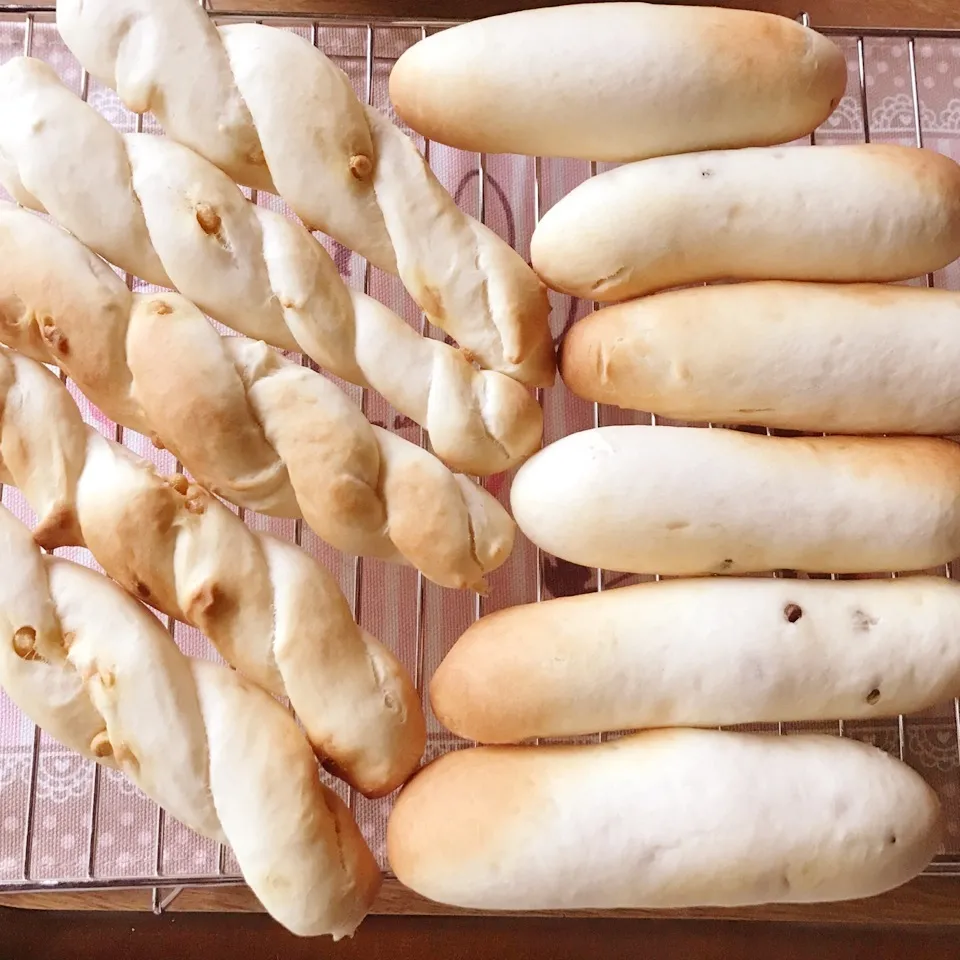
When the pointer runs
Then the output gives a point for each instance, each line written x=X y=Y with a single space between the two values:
x=907 y=14
x=926 y=900
x=87 y=936
x=858 y=13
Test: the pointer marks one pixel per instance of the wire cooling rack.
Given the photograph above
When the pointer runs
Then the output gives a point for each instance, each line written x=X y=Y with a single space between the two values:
x=66 y=824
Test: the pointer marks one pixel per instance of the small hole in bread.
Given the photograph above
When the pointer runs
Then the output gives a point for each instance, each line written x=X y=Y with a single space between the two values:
x=792 y=612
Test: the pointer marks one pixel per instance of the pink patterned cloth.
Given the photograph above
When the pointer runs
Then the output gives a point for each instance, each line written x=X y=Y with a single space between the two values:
x=120 y=835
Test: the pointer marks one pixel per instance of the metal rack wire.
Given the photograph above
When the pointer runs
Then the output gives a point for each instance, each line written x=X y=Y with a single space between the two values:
x=426 y=641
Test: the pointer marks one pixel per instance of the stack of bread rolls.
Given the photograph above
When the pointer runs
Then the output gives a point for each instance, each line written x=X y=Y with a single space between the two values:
x=180 y=221
x=749 y=285
x=695 y=103
x=262 y=431
x=92 y=667
x=275 y=436
x=272 y=611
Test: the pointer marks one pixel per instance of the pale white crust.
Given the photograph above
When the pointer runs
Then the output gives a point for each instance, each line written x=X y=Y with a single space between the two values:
x=703 y=652
x=674 y=818
x=866 y=212
x=272 y=611
x=95 y=670
x=851 y=358
x=618 y=81
x=273 y=436
x=274 y=113
x=684 y=501
x=178 y=220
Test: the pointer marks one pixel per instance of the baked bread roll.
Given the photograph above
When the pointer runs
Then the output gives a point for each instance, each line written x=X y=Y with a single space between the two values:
x=177 y=220
x=93 y=668
x=257 y=429
x=675 y=818
x=636 y=80
x=272 y=611
x=841 y=213
x=703 y=653
x=676 y=500
x=273 y=112
x=853 y=358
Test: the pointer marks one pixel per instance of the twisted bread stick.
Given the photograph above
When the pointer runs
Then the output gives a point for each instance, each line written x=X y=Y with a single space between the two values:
x=271 y=610
x=97 y=672
x=259 y=430
x=177 y=220
x=274 y=113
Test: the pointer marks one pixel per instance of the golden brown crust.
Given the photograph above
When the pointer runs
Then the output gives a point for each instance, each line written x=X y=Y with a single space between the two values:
x=273 y=612
x=258 y=429
x=636 y=81
x=754 y=650
x=509 y=775
x=857 y=358
x=314 y=145
x=671 y=818
x=792 y=213
x=197 y=402
x=179 y=221
x=96 y=671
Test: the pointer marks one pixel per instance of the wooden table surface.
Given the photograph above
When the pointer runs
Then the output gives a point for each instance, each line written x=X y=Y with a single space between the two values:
x=860 y=13
x=922 y=14
x=249 y=937
x=920 y=920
